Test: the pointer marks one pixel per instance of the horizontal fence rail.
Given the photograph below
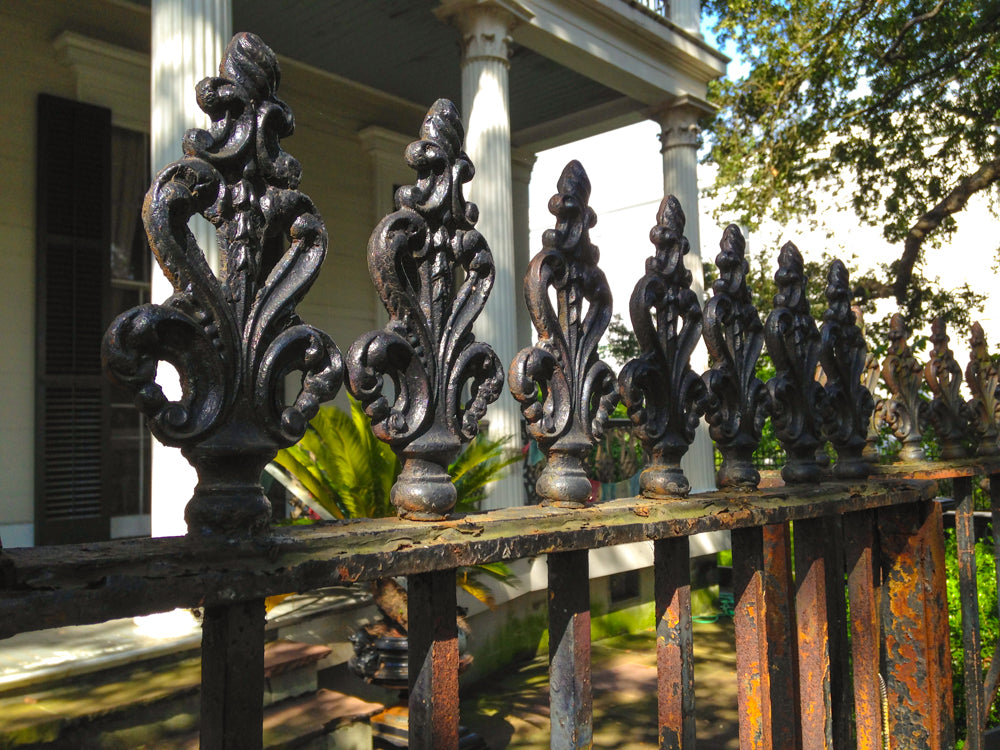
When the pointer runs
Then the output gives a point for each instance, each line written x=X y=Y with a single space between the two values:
x=841 y=615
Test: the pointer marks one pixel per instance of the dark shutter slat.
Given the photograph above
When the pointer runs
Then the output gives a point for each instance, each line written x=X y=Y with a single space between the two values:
x=74 y=157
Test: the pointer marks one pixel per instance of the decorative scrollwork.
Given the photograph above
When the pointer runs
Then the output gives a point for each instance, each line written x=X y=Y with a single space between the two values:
x=793 y=341
x=663 y=396
x=905 y=412
x=869 y=378
x=948 y=411
x=566 y=392
x=737 y=399
x=848 y=404
x=983 y=378
x=442 y=378
x=233 y=340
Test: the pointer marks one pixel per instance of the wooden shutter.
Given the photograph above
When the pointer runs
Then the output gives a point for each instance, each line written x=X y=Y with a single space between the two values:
x=73 y=259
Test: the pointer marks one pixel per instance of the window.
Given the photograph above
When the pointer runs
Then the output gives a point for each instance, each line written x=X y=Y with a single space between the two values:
x=92 y=461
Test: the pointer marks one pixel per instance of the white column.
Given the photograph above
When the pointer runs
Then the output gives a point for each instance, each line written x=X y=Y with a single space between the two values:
x=686 y=14
x=485 y=26
x=522 y=164
x=679 y=140
x=188 y=40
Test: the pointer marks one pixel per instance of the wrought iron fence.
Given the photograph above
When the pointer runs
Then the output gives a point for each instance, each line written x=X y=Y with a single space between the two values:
x=808 y=673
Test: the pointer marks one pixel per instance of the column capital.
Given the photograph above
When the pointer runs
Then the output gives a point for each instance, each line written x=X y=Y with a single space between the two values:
x=678 y=122
x=485 y=26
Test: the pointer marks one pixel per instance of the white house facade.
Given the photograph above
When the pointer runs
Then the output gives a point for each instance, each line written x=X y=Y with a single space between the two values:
x=98 y=95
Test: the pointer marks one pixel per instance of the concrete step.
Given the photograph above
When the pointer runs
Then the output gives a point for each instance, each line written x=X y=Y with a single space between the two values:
x=326 y=719
x=156 y=698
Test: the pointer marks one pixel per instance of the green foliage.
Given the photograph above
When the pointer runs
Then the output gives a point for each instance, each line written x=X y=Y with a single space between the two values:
x=349 y=472
x=343 y=467
x=989 y=621
x=895 y=103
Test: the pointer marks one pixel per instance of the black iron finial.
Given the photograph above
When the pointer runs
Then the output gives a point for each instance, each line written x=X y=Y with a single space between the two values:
x=442 y=378
x=737 y=399
x=848 y=404
x=905 y=412
x=983 y=378
x=663 y=396
x=948 y=411
x=793 y=341
x=232 y=340
x=566 y=392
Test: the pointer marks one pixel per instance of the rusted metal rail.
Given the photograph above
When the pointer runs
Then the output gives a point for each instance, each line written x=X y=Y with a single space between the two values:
x=809 y=676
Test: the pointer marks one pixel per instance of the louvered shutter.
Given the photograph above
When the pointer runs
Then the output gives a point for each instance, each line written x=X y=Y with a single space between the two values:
x=72 y=423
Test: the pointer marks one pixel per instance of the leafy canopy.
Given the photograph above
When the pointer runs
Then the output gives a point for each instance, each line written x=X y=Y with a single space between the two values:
x=896 y=101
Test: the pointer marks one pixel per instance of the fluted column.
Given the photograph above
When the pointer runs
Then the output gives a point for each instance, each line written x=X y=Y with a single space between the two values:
x=485 y=27
x=686 y=14
x=679 y=140
x=523 y=163
x=188 y=41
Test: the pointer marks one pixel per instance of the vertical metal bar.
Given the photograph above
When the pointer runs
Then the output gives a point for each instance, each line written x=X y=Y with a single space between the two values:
x=965 y=537
x=811 y=596
x=232 y=677
x=836 y=615
x=915 y=627
x=570 y=700
x=765 y=634
x=674 y=643
x=862 y=584
x=433 y=660
x=993 y=677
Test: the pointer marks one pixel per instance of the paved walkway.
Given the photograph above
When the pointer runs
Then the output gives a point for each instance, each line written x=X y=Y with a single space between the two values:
x=512 y=710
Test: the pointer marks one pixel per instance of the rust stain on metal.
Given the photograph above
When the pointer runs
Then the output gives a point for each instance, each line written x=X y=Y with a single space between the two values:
x=813 y=635
x=862 y=584
x=674 y=644
x=918 y=661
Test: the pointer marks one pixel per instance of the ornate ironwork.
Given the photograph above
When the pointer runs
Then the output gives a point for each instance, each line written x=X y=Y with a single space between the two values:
x=566 y=393
x=848 y=404
x=232 y=340
x=663 y=396
x=983 y=378
x=904 y=411
x=948 y=411
x=737 y=402
x=442 y=378
x=869 y=378
x=793 y=341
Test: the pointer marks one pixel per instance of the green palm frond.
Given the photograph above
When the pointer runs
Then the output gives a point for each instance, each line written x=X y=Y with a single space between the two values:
x=342 y=465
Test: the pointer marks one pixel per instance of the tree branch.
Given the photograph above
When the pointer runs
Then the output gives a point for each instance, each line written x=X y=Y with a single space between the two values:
x=890 y=53
x=954 y=202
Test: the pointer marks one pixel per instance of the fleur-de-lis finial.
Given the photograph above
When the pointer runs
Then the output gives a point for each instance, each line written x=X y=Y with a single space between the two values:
x=442 y=378
x=869 y=378
x=793 y=341
x=904 y=411
x=232 y=340
x=663 y=396
x=983 y=378
x=848 y=404
x=737 y=399
x=566 y=392
x=948 y=411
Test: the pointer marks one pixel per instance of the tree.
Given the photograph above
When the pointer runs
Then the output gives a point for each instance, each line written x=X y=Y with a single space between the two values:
x=895 y=102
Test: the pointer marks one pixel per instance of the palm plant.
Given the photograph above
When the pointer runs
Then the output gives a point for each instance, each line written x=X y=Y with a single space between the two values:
x=341 y=467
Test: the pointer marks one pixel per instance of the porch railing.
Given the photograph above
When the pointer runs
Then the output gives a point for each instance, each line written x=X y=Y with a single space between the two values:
x=809 y=674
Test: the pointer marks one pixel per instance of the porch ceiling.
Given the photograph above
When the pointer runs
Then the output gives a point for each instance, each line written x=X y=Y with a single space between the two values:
x=400 y=47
